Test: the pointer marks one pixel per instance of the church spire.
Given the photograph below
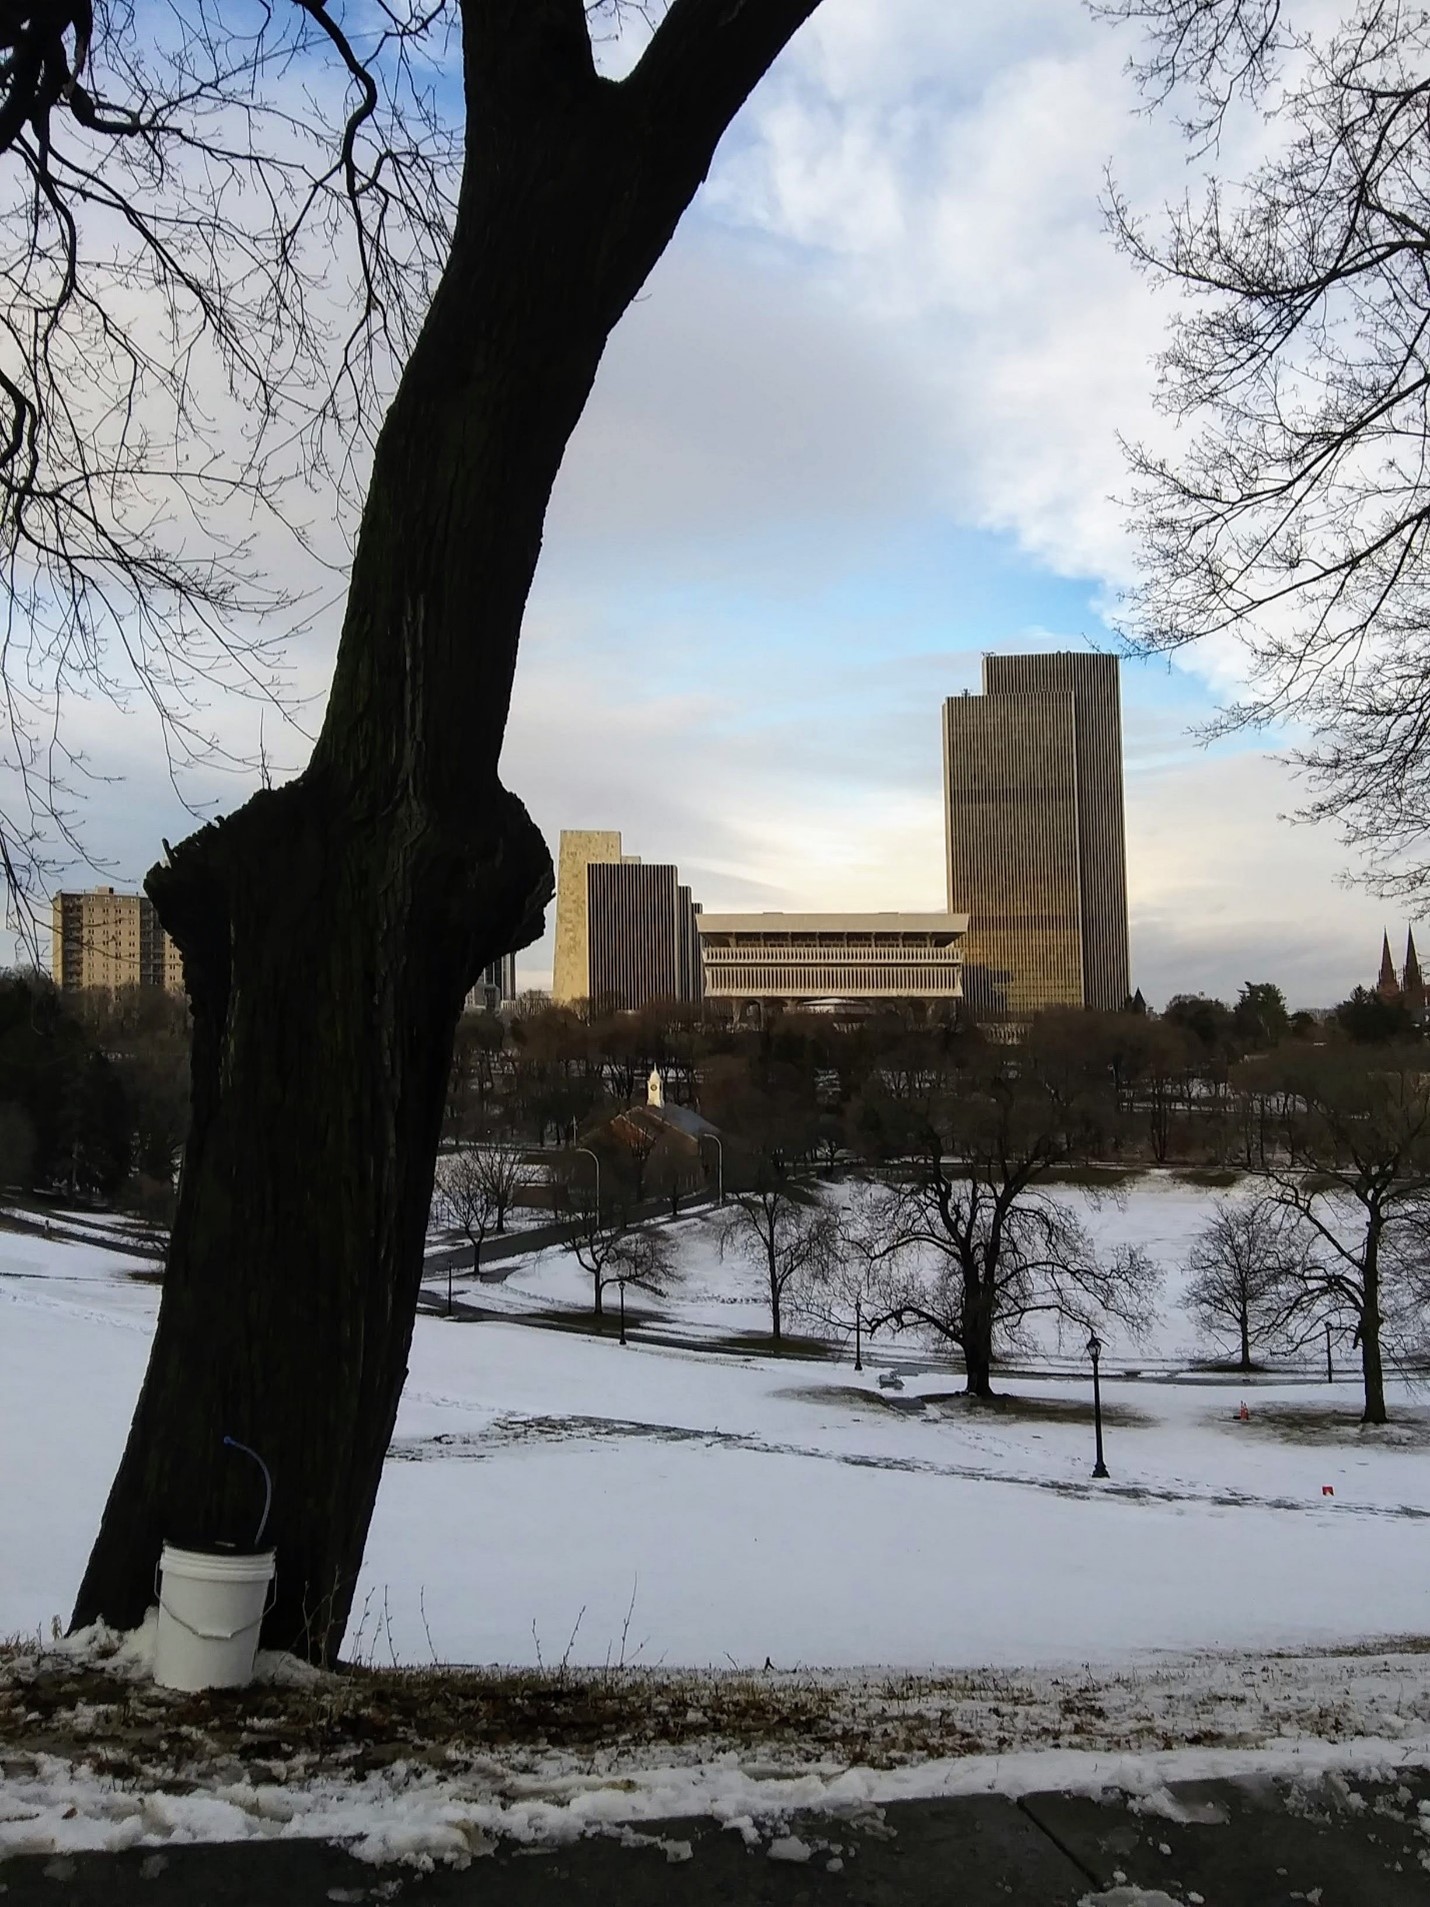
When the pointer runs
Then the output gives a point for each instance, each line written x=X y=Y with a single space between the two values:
x=1414 y=982
x=1388 y=987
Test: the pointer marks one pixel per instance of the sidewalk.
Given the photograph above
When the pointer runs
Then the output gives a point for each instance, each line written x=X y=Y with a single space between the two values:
x=1254 y=1843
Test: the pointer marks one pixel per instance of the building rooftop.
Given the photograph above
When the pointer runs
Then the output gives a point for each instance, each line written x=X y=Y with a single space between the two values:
x=833 y=924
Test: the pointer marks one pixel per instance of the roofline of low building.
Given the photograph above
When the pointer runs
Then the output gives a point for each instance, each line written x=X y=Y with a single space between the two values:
x=833 y=923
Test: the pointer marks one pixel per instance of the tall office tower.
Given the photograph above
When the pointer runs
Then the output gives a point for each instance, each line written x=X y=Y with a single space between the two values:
x=496 y=988
x=692 y=967
x=1034 y=825
x=641 y=923
x=580 y=848
x=109 y=940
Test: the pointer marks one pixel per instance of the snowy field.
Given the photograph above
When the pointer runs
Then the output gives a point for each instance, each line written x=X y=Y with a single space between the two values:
x=555 y=1493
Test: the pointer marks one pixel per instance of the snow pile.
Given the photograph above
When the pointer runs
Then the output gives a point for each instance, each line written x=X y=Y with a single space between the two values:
x=128 y=1655
x=421 y=1817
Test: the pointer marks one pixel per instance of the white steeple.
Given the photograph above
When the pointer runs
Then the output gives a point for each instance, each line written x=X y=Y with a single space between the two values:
x=655 y=1088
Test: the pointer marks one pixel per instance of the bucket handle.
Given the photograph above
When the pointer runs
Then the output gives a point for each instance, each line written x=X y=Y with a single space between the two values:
x=211 y=1635
x=215 y=1635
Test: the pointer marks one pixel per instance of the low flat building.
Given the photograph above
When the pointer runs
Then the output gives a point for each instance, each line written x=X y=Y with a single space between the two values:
x=831 y=963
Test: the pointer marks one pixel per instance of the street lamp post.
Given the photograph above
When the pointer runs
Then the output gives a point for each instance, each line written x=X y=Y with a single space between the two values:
x=858 y=1336
x=1094 y=1351
x=1330 y=1368
x=719 y=1146
x=595 y=1160
x=621 y=1288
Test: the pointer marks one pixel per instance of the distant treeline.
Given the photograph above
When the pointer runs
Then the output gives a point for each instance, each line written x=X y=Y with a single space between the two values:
x=93 y=1092
x=1189 y=1085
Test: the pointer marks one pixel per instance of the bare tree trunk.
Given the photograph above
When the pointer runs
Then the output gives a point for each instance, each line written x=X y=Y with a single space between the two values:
x=978 y=1345
x=979 y=1368
x=1372 y=1368
x=770 y=1263
x=1245 y=1323
x=331 y=928
x=1373 y=1372
x=296 y=1255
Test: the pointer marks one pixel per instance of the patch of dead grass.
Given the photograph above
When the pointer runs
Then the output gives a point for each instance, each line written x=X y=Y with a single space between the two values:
x=953 y=1405
x=1329 y=1425
x=510 y=1723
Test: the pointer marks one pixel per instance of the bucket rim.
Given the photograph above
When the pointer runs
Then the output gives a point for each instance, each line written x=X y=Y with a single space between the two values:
x=188 y=1559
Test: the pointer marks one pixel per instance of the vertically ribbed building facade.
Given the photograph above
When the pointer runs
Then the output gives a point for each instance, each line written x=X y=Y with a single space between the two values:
x=103 y=939
x=641 y=933
x=626 y=929
x=1034 y=825
x=692 y=972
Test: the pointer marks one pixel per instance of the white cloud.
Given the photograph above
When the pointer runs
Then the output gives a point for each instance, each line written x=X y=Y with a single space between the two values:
x=944 y=175
x=738 y=398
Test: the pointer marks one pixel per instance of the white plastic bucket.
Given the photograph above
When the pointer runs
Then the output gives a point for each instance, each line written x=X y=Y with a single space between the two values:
x=211 y=1605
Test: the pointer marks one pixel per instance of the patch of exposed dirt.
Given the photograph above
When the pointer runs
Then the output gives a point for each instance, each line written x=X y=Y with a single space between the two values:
x=364 y=1719
x=1323 y=1425
x=761 y=1344
x=1045 y=1410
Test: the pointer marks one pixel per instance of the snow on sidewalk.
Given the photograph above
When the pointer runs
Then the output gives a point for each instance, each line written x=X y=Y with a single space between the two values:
x=421 y=1818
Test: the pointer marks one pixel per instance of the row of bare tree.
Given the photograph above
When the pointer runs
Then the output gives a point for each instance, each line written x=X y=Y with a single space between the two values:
x=965 y=1231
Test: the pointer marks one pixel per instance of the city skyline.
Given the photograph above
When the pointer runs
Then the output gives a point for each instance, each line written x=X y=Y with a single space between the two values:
x=860 y=428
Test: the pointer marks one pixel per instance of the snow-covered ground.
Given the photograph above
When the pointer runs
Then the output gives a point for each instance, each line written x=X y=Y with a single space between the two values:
x=556 y=1497
x=713 y=1295
x=1328 y=1718
x=701 y=1506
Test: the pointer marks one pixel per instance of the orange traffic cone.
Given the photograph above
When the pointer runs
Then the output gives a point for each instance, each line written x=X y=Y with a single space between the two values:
x=1244 y=1414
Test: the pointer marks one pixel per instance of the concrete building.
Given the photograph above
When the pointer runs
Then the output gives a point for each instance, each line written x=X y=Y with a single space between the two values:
x=831 y=962
x=104 y=939
x=1034 y=828
x=579 y=849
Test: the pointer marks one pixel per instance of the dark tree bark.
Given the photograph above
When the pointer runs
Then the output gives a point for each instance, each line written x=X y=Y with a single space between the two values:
x=1372 y=1362
x=331 y=928
x=978 y=1343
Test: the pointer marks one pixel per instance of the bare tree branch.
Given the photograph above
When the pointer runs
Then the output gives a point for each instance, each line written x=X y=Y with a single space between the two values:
x=1298 y=519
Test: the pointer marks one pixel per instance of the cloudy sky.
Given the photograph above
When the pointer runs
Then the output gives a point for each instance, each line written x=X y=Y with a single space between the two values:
x=862 y=427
